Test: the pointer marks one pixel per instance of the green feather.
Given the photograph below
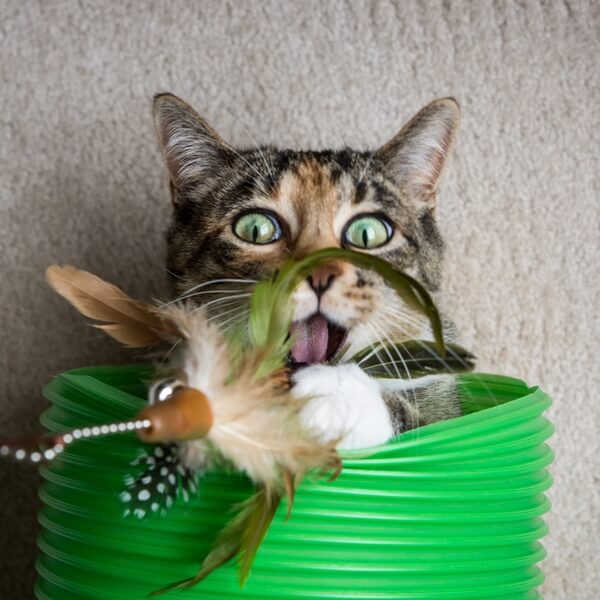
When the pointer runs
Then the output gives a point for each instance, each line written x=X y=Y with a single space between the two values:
x=271 y=309
x=414 y=358
x=242 y=537
x=268 y=333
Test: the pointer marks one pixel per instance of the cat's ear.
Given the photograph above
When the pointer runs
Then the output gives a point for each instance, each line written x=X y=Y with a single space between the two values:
x=193 y=151
x=416 y=155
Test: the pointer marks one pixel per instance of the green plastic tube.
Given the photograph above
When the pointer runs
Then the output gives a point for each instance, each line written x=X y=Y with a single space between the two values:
x=448 y=511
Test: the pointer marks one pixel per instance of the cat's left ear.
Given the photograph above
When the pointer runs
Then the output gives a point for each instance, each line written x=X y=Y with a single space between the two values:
x=193 y=151
x=416 y=155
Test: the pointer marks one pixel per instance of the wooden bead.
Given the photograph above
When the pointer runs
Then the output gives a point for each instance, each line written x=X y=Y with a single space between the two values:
x=185 y=415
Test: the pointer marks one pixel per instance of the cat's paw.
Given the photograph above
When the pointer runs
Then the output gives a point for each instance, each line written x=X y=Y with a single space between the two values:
x=345 y=404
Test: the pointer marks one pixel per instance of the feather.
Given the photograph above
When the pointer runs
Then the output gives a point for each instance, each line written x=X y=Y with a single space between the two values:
x=263 y=434
x=163 y=481
x=408 y=288
x=131 y=322
x=256 y=420
x=256 y=521
x=241 y=536
x=271 y=310
x=130 y=334
x=256 y=424
x=414 y=358
x=290 y=483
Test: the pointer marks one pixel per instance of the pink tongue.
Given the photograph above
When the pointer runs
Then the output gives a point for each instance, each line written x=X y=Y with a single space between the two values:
x=311 y=339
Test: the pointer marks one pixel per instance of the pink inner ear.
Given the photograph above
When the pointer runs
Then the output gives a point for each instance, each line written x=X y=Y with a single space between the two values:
x=435 y=161
x=417 y=154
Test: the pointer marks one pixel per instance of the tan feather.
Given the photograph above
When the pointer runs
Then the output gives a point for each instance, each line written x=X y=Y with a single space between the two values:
x=257 y=423
x=130 y=335
x=257 y=427
x=131 y=322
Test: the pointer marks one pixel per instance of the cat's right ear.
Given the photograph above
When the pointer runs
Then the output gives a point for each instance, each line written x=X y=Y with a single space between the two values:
x=416 y=155
x=193 y=151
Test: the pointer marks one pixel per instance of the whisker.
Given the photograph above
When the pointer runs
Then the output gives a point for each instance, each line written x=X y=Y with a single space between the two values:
x=170 y=351
x=380 y=342
x=242 y=309
x=406 y=369
x=449 y=369
x=410 y=320
x=223 y=293
x=235 y=321
x=222 y=301
x=419 y=342
x=386 y=349
x=408 y=377
x=224 y=280
x=413 y=382
x=258 y=182
x=171 y=273
x=374 y=349
x=405 y=316
x=207 y=283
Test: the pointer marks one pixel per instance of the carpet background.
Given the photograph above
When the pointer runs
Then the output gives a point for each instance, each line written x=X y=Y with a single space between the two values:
x=82 y=182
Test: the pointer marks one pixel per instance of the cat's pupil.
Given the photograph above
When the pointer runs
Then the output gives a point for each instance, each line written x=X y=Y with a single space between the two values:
x=257 y=228
x=368 y=231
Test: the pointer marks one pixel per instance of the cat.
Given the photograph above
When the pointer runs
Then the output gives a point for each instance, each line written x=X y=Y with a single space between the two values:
x=238 y=214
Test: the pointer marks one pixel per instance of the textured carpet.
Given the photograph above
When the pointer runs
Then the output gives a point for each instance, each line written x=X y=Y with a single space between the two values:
x=82 y=182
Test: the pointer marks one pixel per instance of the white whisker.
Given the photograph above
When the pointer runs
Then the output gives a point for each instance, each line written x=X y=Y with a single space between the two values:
x=224 y=293
x=405 y=366
x=374 y=349
x=222 y=301
x=411 y=320
x=377 y=332
x=171 y=273
x=258 y=182
x=171 y=349
x=205 y=284
x=242 y=309
x=234 y=322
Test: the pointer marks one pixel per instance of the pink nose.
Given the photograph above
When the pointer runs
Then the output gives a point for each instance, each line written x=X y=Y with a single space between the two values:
x=321 y=279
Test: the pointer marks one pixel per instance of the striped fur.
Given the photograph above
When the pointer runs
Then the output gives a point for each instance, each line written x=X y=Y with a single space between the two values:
x=314 y=194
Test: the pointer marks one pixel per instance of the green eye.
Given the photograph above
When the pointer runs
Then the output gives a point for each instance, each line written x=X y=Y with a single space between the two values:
x=368 y=231
x=257 y=228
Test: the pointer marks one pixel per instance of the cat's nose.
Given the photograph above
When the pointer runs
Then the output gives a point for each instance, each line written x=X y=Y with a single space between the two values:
x=321 y=279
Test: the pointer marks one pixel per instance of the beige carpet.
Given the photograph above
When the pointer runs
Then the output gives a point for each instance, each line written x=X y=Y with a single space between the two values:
x=81 y=182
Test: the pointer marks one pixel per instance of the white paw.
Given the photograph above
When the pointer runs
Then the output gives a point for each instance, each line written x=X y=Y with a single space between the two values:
x=345 y=404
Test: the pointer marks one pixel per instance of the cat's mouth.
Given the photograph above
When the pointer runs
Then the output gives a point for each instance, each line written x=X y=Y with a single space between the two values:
x=316 y=340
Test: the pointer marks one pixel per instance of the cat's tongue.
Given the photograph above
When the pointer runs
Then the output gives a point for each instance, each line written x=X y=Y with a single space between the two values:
x=311 y=340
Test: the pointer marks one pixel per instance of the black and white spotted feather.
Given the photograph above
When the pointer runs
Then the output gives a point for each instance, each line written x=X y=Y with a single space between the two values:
x=164 y=480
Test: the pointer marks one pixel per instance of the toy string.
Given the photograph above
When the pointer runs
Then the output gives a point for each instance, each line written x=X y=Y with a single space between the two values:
x=47 y=447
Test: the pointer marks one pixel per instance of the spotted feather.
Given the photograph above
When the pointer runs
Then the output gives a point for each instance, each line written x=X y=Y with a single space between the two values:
x=163 y=481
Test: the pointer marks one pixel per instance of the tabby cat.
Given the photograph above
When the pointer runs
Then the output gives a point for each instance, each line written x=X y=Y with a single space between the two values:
x=239 y=213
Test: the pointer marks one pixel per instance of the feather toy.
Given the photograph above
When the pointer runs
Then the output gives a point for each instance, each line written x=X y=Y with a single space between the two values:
x=227 y=399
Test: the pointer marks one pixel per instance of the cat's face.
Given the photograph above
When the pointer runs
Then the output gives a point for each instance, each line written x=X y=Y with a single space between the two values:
x=239 y=214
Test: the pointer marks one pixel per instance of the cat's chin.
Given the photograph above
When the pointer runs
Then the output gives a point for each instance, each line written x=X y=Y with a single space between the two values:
x=316 y=340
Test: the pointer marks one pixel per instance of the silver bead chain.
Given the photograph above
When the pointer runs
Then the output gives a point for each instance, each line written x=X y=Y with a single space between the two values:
x=57 y=443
